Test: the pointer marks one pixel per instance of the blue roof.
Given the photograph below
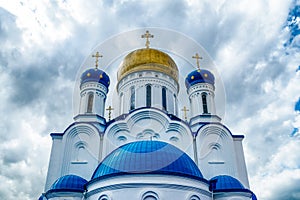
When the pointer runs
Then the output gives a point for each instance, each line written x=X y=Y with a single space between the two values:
x=69 y=183
x=225 y=182
x=151 y=157
x=95 y=75
x=199 y=76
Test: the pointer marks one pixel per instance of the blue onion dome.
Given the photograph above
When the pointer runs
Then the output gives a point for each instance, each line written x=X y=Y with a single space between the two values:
x=147 y=157
x=95 y=75
x=225 y=182
x=41 y=197
x=68 y=183
x=199 y=76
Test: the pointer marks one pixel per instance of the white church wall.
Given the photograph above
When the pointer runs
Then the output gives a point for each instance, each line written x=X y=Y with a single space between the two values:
x=148 y=124
x=81 y=152
x=55 y=161
x=139 y=80
x=240 y=162
x=137 y=187
x=215 y=151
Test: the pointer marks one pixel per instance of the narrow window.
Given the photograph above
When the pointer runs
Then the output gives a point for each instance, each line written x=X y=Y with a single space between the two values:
x=90 y=103
x=164 y=99
x=204 y=103
x=148 y=95
x=132 y=98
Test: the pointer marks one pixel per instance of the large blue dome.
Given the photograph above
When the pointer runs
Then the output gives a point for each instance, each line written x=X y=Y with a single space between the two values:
x=151 y=157
x=95 y=75
x=199 y=76
x=68 y=183
x=225 y=182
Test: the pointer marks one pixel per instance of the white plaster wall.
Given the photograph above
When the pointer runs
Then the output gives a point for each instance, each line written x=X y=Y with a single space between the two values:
x=54 y=168
x=139 y=80
x=99 y=91
x=148 y=124
x=135 y=186
x=195 y=96
x=83 y=164
x=240 y=163
x=216 y=152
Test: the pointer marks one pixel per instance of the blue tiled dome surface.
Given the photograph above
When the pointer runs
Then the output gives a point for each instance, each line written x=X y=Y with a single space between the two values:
x=151 y=157
x=199 y=76
x=224 y=182
x=69 y=182
x=95 y=75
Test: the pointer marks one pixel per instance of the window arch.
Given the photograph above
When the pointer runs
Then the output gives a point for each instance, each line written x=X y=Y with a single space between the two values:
x=132 y=98
x=194 y=197
x=204 y=103
x=150 y=196
x=104 y=197
x=90 y=103
x=148 y=95
x=164 y=98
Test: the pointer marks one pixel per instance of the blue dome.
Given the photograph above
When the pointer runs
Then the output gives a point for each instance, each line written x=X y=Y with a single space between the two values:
x=95 y=75
x=224 y=182
x=199 y=76
x=151 y=157
x=69 y=183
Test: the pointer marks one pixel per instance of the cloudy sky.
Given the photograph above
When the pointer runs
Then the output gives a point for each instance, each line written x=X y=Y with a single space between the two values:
x=255 y=46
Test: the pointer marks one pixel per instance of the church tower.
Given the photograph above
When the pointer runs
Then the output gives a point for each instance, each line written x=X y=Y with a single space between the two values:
x=147 y=152
x=148 y=78
x=94 y=85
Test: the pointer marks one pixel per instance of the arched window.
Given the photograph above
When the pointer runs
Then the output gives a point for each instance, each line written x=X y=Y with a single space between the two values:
x=148 y=95
x=150 y=196
x=164 y=98
x=204 y=103
x=132 y=98
x=90 y=103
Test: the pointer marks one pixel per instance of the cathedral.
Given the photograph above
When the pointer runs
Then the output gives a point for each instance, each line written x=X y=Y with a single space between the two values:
x=147 y=152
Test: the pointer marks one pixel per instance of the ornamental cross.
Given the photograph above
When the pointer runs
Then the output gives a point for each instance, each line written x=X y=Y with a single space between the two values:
x=97 y=56
x=109 y=112
x=197 y=57
x=185 y=110
x=147 y=35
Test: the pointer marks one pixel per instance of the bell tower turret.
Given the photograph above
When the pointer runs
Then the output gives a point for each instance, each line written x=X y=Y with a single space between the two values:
x=94 y=85
x=201 y=93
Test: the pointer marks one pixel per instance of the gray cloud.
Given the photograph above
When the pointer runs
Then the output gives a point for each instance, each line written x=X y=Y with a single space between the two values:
x=43 y=47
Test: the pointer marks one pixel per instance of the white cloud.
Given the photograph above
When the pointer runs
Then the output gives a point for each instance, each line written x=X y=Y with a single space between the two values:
x=44 y=42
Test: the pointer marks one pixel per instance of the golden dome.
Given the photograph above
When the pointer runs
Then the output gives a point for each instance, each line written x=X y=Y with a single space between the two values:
x=150 y=60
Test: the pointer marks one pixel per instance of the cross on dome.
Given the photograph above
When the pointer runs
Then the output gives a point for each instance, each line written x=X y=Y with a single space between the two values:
x=147 y=35
x=185 y=110
x=97 y=56
x=109 y=112
x=197 y=57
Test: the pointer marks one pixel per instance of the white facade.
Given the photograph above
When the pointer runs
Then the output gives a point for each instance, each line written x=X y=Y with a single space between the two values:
x=147 y=114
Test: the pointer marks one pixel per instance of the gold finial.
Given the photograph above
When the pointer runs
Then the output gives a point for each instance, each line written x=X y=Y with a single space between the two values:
x=109 y=112
x=185 y=110
x=97 y=56
x=197 y=57
x=147 y=35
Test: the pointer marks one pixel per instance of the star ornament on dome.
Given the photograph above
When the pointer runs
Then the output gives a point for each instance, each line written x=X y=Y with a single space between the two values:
x=197 y=57
x=97 y=56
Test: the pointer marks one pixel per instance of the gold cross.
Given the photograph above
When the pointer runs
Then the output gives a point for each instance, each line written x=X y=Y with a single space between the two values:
x=197 y=57
x=185 y=110
x=147 y=35
x=109 y=112
x=97 y=56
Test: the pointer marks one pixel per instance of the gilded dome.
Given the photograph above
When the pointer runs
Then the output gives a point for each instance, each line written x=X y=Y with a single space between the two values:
x=150 y=60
